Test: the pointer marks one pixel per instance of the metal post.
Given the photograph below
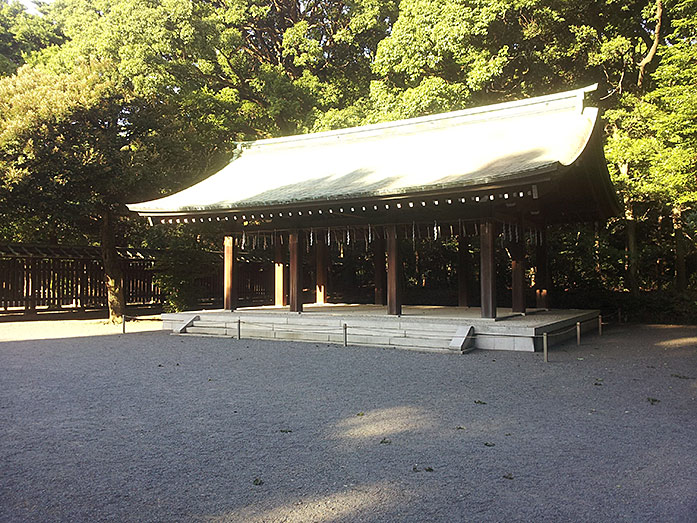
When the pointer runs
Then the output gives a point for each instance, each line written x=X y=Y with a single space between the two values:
x=600 y=324
x=345 y=335
x=619 y=315
x=123 y=323
x=239 y=328
x=578 y=333
x=544 y=345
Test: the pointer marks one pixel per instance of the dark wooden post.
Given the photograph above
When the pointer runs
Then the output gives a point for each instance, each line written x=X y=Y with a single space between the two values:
x=487 y=270
x=542 y=279
x=394 y=271
x=279 y=285
x=321 y=269
x=83 y=284
x=517 y=251
x=464 y=267
x=379 y=265
x=296 y=271
x=230 y=275
x=31 y=280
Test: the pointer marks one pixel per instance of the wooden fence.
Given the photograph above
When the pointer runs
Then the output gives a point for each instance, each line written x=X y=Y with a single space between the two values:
x=39 y=278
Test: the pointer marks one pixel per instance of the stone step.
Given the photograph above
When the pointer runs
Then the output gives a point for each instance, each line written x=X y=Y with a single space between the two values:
x=379 y=333
x=433 y=343
x=377 y=336
x=206 y=329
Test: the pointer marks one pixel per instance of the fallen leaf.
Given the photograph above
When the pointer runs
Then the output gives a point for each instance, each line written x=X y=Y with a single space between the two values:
x=361 y=414
x=285 y=431
x=459 y=427
x=508 y=476
x=489 y=444
x=480 y=402
x=653 y=401
x=385 y=441
x=428 y=469
x=257 y=481
x=681 y=377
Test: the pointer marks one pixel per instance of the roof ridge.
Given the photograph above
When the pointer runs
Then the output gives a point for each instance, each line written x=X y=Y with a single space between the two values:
x=576 y=93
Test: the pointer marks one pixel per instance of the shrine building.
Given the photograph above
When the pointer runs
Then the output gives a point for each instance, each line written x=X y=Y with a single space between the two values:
x=503 y=171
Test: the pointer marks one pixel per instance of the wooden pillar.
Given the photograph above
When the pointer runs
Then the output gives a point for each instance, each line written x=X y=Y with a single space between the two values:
x=296 y=271
x=517 y=251
x=31 y=283
x=230 y=274
x=321 y=269
x=379 y=266
x=542 y=277
x=279 y=286
x=394 y=272
x=487 y=270
x=464 y=267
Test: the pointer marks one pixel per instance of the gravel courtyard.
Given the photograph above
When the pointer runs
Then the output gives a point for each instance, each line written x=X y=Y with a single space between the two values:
x=153 y=427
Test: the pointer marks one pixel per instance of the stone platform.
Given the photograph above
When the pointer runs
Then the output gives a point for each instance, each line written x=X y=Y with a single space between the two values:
x=425 y=328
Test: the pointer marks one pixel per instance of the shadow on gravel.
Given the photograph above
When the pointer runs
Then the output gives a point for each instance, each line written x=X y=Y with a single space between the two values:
x=153 y=427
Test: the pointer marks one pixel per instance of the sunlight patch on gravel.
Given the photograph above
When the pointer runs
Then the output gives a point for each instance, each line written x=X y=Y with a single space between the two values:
x=679 y=342
x=348 y=504
x=382 y=422
x=46 y=330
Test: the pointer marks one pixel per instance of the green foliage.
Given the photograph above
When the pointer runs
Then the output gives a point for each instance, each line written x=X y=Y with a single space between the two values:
x=458 y=53
x=47 y=159
x=178 y=273
x=22 y=33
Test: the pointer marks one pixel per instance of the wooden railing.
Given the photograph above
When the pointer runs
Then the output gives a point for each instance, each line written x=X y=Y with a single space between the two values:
x=40 y=283
x=36 y=279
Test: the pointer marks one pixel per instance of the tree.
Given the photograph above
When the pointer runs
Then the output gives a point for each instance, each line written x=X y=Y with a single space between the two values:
x=458 y=53
x=652 y=143
x=22 y=33
x=75 y=147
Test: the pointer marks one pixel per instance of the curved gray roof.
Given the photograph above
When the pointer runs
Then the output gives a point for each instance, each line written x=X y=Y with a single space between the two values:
x=496 y=144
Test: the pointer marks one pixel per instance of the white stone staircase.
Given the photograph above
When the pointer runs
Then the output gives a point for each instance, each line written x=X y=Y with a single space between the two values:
x=432 y=333
x=371 y=332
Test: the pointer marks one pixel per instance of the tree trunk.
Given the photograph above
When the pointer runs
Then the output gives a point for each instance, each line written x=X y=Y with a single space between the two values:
x=654 y=45
x=680 y=266
x=113 y=273
x=632 y=251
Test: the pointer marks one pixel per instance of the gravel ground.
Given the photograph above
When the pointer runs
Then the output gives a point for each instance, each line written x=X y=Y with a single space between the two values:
x=154 y=427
